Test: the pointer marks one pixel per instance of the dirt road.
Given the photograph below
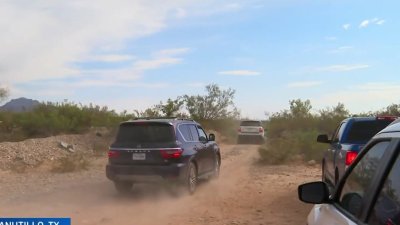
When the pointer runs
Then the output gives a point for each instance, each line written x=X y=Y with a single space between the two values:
x=246 y=193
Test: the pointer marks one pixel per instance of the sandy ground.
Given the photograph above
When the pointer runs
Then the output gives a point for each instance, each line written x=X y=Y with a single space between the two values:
x=245 y=193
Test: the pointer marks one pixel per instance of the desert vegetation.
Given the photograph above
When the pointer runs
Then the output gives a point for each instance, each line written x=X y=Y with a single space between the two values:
x=293 y=132
x=290 y=133
x=216 y=109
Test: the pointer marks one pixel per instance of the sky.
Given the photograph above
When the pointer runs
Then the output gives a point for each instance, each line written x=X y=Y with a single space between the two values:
x=132 y=54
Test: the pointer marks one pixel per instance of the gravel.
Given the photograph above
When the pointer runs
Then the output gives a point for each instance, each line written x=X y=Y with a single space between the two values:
x=33 y=152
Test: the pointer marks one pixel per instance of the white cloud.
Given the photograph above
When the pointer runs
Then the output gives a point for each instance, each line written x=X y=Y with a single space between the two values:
x=240 y=73
x=111 y=58
x=380 y=22
x=155 y=63
x=375 y=21
x=362 y=98
x=43 y=39
x=346 y=26
x=304 y=84
x=180 y=13
x=172 y=52
x=341 y=68
x=233 y=6
x=341 y=49
x=364 y=24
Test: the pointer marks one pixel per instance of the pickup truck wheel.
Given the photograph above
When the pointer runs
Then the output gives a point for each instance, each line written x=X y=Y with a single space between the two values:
x=123 y=187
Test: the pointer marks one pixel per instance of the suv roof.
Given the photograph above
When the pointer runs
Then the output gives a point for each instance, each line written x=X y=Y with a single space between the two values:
x=368 y=118
x=160 y=119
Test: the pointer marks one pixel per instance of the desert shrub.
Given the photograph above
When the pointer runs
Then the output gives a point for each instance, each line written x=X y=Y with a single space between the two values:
x=293 y=132
x=50 y=119
x=71 y=163
x=227 y=128
x=276 y=151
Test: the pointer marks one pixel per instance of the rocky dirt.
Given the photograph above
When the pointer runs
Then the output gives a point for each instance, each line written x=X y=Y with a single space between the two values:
x=245 y=193
x=31 y=153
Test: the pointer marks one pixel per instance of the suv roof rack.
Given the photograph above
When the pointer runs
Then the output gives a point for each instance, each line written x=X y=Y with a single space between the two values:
x=161 y=118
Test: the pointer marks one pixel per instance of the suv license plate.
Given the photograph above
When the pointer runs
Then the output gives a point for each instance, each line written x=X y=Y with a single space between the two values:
x=138 y=156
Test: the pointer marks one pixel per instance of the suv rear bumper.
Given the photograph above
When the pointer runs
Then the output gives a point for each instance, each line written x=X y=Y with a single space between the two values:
x=146 y=173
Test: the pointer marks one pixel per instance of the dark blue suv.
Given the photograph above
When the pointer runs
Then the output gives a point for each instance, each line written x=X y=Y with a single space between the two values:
x=162 y=150
x=348 y=139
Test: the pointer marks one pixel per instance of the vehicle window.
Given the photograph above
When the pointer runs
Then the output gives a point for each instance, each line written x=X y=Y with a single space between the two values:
x=386 y=210
x=145 y=133
x=362 y=131
x=193 y=131
x=202 y=133
x=360 y=177
x=185 y=131
x=339 y=132
x=251 y=123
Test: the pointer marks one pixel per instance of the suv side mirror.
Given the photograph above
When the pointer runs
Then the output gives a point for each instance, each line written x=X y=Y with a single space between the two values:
x=211 y=137
x=323 y=138
x=314 y=192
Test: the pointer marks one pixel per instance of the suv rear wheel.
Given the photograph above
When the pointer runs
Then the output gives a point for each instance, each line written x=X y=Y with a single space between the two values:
x=191 y=182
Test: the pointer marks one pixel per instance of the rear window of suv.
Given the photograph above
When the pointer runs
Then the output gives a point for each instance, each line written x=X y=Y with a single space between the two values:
x=362 y=131
x=251 y=123
x=146 y=132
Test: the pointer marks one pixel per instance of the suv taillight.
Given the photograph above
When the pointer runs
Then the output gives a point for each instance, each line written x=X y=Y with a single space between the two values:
x=350 y=157
x=260 y=130
x=239 y=129
x=174 y=153
x=113 y=154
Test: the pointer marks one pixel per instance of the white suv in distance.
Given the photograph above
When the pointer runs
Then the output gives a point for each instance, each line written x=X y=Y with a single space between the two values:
x=250 y=130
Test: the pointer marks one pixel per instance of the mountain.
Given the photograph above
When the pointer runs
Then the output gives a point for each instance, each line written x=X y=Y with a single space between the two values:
x=20 y=105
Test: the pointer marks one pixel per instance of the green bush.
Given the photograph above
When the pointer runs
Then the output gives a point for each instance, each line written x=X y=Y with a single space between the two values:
x=293 y=133
x=50 y=119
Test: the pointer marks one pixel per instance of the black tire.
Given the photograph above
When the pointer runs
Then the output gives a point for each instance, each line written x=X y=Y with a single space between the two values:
x=123 y=187
x=191 y=179
x=217 y=168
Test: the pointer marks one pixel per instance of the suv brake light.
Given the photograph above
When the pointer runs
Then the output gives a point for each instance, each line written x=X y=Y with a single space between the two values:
x=174 y=153
x=260 y=130
x=350 y=157
x=113 y=154
x=240 y=129
x=386 y=118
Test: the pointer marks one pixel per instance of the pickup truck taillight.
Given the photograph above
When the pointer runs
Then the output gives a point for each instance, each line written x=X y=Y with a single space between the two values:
x=113 y=154
x=260 y=130
x=239 y=129
x=350 y=157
